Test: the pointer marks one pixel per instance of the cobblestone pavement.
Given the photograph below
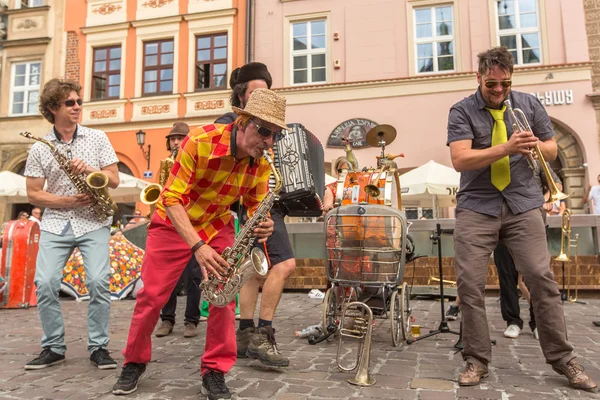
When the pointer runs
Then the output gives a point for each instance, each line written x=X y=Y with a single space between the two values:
x=425 y=370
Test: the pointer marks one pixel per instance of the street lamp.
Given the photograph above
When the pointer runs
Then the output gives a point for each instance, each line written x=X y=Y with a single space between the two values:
x=140 y=136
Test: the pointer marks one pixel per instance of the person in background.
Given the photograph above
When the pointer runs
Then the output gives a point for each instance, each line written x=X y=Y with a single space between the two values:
x=340 y=164
x=36 y=215
x=593 y=196
x=23 y=216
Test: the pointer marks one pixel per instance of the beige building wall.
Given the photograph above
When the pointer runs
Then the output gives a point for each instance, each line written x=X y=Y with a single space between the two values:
x=372 y=72
x=34 y=34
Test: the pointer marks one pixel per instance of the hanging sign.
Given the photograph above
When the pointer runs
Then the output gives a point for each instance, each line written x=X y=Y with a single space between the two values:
x=355 y=130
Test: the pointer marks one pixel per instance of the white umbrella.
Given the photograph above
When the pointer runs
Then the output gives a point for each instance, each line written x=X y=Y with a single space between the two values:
x=12 y=184
x=129 y=189
x=431 y=182
x=329 y=179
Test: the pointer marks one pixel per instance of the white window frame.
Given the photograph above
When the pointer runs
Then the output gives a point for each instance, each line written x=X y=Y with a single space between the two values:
x=309 y=52
x=30 y=3
x=26 y=88
x=434 y=39
x=520 y=31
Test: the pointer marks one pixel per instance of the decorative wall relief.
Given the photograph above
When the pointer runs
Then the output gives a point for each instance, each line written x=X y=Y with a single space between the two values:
x=27 y=24
x=156 y=109
x=106 y=9
x=102 y=114
x=208 y=105
x=156 y=3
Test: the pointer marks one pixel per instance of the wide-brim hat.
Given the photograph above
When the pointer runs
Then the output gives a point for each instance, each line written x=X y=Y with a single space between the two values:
x=266 y=105
x=179 y=129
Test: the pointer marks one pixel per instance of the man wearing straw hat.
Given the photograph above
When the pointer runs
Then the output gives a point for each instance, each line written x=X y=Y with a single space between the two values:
x=215 y=166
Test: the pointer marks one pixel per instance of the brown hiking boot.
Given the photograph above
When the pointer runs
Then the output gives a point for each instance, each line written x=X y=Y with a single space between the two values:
x=165 y=328
x=472 y=375
x=264 y=348
x=189 y=330
x=243 y=340
x=576 y=375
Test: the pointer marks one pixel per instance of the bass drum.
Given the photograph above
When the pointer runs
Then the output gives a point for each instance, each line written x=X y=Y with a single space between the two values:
x=351 y=188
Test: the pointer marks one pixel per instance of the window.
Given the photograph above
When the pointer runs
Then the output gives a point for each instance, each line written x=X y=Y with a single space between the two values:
x=211 y=61
x=25 y=88
x=29 y=3
x=309 y=52
x=158 y=67
x=434 y=39
x=518 y=30
x=106 y=74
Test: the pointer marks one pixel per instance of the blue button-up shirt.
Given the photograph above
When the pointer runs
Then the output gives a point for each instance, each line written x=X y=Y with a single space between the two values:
x=469 y=120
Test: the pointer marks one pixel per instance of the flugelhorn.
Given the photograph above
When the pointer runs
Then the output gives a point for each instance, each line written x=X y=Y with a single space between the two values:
x=357 y=323
x=520 y=124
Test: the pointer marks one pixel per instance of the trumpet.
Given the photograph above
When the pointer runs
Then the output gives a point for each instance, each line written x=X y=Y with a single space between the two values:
x=385 y=163
x=520 y=124
x=357 y=323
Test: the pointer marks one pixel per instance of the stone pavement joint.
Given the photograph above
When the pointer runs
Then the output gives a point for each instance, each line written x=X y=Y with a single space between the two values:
x=425 y=370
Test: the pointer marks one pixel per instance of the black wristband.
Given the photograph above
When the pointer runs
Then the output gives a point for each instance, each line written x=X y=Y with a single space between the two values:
x=198 y=245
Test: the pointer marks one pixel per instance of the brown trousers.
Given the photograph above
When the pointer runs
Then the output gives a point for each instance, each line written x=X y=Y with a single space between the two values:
x=475 y=237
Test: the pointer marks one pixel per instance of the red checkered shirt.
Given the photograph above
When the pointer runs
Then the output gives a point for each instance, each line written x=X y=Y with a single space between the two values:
x=206 y=179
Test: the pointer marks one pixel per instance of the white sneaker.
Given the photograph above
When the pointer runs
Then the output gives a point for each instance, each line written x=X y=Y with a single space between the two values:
x=535 y=334
x=512 y=331
x=203 y=318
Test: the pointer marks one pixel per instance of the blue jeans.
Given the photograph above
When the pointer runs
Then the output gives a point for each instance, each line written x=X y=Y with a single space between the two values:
x=53 y=254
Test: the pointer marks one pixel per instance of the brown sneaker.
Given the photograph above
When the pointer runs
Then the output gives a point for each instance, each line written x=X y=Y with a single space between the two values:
x=189 y=330
x=264 y=348
x=575 y=374
x=472 y=375
x=165 y=328
x=243 y=340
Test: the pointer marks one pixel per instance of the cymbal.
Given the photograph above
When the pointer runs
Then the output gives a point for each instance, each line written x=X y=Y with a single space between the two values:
x=378 y=133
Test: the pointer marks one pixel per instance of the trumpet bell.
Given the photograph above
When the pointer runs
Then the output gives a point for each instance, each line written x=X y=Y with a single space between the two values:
x=372 y=190
x=151 y=193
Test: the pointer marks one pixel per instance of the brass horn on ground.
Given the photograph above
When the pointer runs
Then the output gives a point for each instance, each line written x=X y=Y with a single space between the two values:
x=357 y=323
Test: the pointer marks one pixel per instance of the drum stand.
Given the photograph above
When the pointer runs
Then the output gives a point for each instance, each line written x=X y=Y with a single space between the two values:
x=443 y=327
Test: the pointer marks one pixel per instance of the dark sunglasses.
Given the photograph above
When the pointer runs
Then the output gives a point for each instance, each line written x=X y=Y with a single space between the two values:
x=266 y=132
x=492 y=84
x=71 y=102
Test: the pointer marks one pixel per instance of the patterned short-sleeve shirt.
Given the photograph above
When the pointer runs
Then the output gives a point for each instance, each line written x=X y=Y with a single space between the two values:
x=90 y=145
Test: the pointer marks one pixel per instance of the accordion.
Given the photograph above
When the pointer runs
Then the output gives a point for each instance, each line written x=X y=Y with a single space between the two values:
x=299 y=158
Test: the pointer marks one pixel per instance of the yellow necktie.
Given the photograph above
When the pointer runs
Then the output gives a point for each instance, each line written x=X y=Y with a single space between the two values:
x=500 y=168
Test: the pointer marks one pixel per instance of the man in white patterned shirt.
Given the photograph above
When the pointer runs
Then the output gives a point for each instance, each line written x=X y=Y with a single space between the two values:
x=68 y=222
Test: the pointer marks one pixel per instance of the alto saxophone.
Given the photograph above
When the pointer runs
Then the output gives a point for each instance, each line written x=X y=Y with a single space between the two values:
x=95 y=184
x=220 y=292
x=151 y=193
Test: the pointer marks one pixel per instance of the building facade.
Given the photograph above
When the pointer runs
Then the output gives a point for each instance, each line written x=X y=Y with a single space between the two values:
x=347 y=65
x=145 y=64
x=31 y=52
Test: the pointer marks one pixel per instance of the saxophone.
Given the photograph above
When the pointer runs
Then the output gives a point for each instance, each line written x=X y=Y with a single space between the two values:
x=220 y=292
x=95 y=184
x=151 y=193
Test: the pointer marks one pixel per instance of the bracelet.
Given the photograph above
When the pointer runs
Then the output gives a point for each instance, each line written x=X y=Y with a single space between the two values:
x=198 y=245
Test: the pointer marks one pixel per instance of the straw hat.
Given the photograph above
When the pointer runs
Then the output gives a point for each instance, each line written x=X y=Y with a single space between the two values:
x=179 y=129
x=266 y=105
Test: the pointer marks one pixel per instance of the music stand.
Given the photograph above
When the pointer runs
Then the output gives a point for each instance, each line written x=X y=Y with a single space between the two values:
x=443 y=327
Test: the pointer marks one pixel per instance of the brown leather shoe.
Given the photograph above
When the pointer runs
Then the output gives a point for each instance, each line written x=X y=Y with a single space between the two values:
x=189 y=330
x=576 y=375
x=165 y=328
x=472 y=375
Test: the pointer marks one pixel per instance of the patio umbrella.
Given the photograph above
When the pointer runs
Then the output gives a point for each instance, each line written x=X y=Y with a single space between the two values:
x=431 y=183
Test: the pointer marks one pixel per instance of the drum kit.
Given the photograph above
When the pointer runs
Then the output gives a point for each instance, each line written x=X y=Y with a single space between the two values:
x=373 y=186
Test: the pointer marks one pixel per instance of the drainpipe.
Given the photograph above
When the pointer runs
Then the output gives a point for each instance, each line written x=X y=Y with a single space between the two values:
x=248 y=30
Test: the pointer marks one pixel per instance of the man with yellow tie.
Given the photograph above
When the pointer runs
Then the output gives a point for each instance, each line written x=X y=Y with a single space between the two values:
x=499 y=201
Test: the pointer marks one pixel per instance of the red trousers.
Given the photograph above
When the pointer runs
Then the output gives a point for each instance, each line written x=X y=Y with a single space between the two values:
x=166 y=257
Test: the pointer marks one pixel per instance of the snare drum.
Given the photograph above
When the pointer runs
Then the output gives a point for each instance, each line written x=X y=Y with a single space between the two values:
x=351 y=188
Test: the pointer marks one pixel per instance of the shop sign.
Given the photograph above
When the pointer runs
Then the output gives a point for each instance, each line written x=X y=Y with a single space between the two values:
x=555 y=97
x=355 y=130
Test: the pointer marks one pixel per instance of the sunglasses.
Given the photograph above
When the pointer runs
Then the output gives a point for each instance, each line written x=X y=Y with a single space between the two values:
x=266 y=132
x=71 y=102
x=492 y=84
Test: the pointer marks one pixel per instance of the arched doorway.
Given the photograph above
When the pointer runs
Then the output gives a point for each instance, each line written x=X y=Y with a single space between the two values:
x=569 y=166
